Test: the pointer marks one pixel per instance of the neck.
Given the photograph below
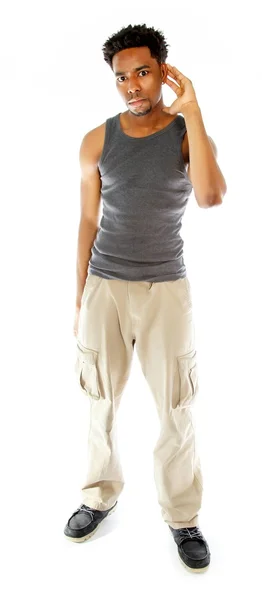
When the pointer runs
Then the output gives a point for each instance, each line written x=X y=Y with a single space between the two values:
x=150 y=120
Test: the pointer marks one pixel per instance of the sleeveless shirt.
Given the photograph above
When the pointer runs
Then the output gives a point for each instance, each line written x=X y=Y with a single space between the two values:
x=144 y=193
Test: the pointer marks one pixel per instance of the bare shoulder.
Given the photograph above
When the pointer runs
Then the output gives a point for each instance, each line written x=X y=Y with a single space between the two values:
x=89 y=154
x=91 y=147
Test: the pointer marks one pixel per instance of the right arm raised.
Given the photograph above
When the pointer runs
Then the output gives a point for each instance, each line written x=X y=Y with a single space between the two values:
x=90 y=190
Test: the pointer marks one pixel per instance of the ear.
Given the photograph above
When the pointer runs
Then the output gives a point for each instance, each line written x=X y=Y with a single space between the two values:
x=164 y=72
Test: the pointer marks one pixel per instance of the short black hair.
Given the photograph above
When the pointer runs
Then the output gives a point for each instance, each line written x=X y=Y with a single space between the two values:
x=135 y=36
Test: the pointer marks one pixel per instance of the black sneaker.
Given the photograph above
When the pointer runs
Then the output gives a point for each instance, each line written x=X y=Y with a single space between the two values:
x=193 y=549
x=84 y=522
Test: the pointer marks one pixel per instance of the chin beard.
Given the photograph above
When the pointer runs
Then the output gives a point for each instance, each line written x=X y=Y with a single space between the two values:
x=141 y=113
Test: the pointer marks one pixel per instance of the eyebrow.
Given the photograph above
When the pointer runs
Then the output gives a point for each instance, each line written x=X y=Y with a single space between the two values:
x=136 y=69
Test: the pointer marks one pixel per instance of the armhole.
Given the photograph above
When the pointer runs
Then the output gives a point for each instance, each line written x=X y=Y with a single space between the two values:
x=182 y=130
x=181 y=127
x=103 y=153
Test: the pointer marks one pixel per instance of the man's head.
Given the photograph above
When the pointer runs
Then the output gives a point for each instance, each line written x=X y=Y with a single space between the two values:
x=136 y=55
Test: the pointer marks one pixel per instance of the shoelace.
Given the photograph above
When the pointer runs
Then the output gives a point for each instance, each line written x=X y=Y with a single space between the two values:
x=83 y=508
x=187 y=534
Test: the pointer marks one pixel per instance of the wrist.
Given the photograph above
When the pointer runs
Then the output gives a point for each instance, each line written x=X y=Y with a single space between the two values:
x=190 y=108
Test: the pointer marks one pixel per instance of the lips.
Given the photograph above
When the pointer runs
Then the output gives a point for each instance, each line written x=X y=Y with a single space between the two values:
x=136 y=101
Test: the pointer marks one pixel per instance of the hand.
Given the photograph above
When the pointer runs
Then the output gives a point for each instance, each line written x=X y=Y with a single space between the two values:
x=184 y=91
x=76 y=320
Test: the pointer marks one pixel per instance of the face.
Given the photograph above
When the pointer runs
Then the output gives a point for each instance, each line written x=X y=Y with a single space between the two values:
x=138 y=76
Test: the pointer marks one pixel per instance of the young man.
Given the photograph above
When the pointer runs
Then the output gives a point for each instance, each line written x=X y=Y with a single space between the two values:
x=143 y=163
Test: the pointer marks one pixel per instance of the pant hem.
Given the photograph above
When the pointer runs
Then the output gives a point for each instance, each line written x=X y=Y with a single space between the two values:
x=182 y=524
x=97 y=505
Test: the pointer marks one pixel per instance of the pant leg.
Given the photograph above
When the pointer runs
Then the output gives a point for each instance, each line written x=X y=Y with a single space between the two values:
x=104 y=357
x=165 y=344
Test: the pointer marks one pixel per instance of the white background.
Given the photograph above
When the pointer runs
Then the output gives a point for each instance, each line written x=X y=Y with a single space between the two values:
x=55 y=86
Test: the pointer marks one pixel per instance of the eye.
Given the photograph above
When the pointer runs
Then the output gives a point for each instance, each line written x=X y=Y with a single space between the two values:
x=122 y=76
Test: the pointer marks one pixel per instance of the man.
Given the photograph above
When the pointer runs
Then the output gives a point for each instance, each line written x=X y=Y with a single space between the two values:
x=144 y=164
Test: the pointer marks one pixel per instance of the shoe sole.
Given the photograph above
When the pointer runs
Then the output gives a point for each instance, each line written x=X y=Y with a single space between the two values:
x=201 y=570
x=89 y=535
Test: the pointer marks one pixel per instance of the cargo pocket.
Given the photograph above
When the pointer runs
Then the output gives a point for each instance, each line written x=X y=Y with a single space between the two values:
x=187 y=379
x=86 y=371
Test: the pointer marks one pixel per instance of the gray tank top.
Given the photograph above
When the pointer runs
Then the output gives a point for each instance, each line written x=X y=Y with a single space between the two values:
x=144 y=193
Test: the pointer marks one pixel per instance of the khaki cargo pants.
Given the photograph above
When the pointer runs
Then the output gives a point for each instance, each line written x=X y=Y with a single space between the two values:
x=157 y=318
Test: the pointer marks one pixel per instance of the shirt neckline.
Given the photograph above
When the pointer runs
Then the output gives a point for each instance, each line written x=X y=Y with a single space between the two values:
x=144 y=137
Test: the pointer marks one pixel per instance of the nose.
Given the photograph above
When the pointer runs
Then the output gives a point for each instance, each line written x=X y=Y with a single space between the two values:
x=133 y=87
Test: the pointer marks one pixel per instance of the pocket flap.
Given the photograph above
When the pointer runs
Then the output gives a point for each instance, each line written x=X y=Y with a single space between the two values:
x=188 y=375
x=86 y=370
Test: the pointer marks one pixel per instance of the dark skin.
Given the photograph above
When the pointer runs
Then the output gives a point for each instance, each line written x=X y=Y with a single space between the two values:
x=133 y=82
x=148 y=117
x=137 y=75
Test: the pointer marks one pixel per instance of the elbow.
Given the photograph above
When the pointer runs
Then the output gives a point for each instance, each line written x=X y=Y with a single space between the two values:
x=211 y=200
x=218 y=197
x=215 y=200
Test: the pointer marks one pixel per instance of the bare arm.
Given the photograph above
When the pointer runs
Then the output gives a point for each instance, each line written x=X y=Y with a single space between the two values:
x=90 y=188
x=203 y=171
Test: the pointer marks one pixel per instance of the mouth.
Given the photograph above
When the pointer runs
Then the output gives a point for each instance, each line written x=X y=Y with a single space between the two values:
x=136 y=102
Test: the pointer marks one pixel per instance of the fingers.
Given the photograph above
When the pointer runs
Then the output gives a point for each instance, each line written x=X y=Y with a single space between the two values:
x=172 y=84
x=175 y=72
